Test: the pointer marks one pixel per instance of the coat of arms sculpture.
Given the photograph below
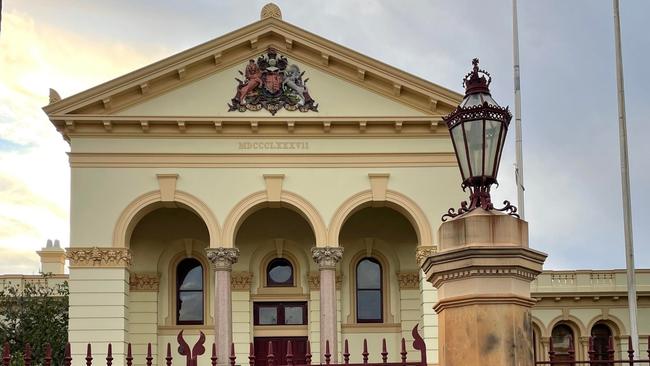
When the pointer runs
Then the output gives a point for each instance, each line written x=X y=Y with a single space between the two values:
x=271 y=83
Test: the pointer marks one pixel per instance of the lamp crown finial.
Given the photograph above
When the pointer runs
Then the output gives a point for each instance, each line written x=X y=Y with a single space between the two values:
x=475 y=81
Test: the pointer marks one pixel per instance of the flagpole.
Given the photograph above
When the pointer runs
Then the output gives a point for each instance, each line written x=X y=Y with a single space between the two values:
x=519 y=167
x=625 y=183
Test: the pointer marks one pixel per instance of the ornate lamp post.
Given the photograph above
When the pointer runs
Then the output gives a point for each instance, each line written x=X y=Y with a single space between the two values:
x=478 y=129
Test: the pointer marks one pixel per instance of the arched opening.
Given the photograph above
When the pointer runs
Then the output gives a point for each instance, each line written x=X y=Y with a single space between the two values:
x=603 y=342
x=379 y=243
x=275 y=245
x=170 y=242
x=563 y=339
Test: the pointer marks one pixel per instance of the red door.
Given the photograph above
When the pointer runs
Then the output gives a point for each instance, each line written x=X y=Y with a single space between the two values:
x=298 y=349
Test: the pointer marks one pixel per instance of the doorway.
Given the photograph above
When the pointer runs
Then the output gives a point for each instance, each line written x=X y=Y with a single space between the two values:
x=280 y=348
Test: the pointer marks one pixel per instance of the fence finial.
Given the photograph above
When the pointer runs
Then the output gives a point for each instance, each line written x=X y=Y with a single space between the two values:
x=365 y=351
x=169 y=358
x=346 y=352
x=308 y=354
x=384 y=352
x=289 y=354
x=403 y=352
x=89 y=355
x=233 y=357
x=630 y=349
x=328 y=355
x=129 y=355
x=213 y=357
x=109 y=355
x=149 y=358
x=251 y=355
x=67 y=358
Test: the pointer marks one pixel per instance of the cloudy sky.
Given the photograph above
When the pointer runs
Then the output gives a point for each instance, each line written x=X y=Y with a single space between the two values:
x=570 y=131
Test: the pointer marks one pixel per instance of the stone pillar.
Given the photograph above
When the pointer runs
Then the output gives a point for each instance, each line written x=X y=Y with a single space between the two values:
x=222 y=260
x=327 y=258
x=99 y=301
x=482 y=270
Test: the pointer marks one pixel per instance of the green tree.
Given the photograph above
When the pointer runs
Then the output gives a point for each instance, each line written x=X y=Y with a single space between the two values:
x=34 y=313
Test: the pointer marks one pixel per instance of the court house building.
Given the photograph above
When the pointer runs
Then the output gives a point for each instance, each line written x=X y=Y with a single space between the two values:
x=270 y=185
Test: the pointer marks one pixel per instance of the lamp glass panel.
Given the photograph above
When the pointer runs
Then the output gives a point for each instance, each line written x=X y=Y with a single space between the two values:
x=474 y=136
x=492 y=129
x=500 y=149
x=459 y=142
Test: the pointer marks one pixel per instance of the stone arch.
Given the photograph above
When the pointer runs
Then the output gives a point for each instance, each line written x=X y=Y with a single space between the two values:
x=543 y=332
x=150 y=201
x=260 y=199
x=574 y=323
x=394 y=200
x=614 y=323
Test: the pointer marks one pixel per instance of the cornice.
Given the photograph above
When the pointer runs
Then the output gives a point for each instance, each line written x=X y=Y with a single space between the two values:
x=94 y=125
x=228 y=50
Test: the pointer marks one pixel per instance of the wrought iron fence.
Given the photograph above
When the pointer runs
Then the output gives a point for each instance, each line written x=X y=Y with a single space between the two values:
x=192 y=354
x=601 y=357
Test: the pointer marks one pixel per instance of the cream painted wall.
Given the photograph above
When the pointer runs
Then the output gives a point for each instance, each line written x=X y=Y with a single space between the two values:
x=209 y=95
x=101 y=194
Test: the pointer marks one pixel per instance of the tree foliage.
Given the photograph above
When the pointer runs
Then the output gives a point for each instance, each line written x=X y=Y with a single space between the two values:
x=34 y=313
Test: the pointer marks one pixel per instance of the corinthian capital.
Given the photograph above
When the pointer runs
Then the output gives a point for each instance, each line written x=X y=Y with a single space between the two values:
x=327 y=257
x=222 y=259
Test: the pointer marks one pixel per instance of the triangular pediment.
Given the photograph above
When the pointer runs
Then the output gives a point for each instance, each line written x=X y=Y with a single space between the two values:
x=201 y=81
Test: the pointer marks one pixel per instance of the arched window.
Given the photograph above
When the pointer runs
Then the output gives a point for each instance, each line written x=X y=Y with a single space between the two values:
x=601 y=334
x=189 y=292
x=279 y=273
x=369 y=291
x=563 y=342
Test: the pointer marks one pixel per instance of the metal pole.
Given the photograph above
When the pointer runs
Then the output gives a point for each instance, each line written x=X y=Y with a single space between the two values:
x=625 y=183
x=519 y=168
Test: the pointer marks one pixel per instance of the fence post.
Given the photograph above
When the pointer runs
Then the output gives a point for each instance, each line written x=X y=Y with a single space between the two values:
x=6 y=354
x=169 y=358
x=630 y=351
x=129 y=355
x=289 y=354
x=270 y=357
x=148 y=358
x=384 y=352
x=27 y=357
x=47 y=361
x=232 y=357
x=251 y=355
x=89 y=355
x=328 y=355
x=109 y=355
x=346 y=353
x=67 y=358
x=213 y=357
x=403 y=352
x=365 y=351
x=308 y=354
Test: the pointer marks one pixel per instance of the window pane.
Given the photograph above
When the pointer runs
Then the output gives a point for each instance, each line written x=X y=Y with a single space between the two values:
x=368 y=275
x=280 y=272
x=193 y=279
x=474 y=134
x=369 y=305
x=191 y=306
x=268 y=315
x=293 y=315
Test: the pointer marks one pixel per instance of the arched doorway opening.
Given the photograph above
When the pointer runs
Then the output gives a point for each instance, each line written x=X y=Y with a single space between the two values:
x=382 y=281
x=168 y=250
x=274 y=245
x=563 y=338
x=603 y=343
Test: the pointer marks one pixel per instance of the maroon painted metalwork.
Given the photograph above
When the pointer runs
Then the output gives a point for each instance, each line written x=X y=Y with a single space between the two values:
x=292 y=358
x=27 y=355
x=47 y=360
x=191 y=354
x=214 y=358
x=129 y=355
x=67 y=357
x=148 y=358
x=289 y=354
x=308 y=354
x=89 y=355
x=168 y=358
x=232 y=357
x=328 y=355
x=6 y=356
x=109 y=355
x=594 y=357
x=478 y=147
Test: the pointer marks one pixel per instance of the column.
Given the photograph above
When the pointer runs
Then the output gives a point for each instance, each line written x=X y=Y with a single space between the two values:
x=327 y=258
x=482 y=270
x=99 y=301
x=222 y=260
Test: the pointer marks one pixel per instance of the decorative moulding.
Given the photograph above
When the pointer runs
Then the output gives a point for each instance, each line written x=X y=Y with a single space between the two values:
x=99 y=257
x=313 y=279
x=241 y=280
x=167 y=185
x=144 y=281
x=408 y=280
x=423 y=252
